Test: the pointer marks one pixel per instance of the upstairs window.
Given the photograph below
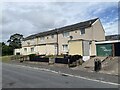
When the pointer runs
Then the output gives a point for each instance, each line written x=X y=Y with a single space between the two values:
x=82 y=31
x=65 y=34
x=52 y=36
x=33 y=41
x=32 y=49
x=42 y=38
x=25 y=49
x=28 y=43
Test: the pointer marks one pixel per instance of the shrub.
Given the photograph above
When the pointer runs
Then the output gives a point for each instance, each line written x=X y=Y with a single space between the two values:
x=31 y=56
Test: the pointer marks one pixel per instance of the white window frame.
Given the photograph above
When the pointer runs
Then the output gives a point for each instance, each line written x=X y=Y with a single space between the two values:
x=42 y=38
x=33 y=41
x=28 y=43
x=32 y=49
x=64 y=47
x=52 y=36
x=25 y=49
x=65 y=34
x=81 y=31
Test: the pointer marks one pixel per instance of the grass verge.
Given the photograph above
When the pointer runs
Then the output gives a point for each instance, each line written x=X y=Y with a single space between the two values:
x=6 y=58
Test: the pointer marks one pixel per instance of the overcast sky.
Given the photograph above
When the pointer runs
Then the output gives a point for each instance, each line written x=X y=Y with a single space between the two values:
x=28 y=18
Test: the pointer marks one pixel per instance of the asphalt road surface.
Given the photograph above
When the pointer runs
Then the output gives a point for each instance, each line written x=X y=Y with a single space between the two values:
x=14 y=76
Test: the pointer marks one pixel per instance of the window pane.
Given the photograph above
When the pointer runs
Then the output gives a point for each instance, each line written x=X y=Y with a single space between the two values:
x=65 y=34
x=32 y=49
x=65 y=47
x=42 y=38
x=25 y=49
x=28 y=43
x=52 y=36
x=82 y=31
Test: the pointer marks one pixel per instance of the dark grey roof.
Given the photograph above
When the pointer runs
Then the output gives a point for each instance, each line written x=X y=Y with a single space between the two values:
x=73 y=27
x=112 y=37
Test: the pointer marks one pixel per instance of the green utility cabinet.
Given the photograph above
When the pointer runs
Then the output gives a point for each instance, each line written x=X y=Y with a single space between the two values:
x=104 y=49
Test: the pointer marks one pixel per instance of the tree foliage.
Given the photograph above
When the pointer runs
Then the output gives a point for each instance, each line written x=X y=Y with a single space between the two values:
x=15 y=41
x=5 y=49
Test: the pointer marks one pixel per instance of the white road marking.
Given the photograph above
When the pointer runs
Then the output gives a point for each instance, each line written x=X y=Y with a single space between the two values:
x=58 y=72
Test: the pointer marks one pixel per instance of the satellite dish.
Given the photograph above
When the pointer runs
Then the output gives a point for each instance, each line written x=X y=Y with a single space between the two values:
x=71 y=37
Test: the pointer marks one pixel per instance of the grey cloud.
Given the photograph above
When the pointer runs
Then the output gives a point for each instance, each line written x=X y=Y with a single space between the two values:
x=30 y=18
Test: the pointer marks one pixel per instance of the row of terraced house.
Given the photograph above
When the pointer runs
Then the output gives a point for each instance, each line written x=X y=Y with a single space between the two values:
x=73 y=39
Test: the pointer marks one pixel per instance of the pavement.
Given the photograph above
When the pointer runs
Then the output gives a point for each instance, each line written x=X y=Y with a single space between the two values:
x=20 y=75
x=110 y=65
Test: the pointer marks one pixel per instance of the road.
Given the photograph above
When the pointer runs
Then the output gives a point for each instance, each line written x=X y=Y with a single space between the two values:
x=14 y=76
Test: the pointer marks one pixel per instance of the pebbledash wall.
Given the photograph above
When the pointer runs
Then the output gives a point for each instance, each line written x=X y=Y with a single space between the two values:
x=68 y=39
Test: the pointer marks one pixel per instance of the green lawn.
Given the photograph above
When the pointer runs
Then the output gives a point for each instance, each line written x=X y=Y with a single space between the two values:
x=6 y=58
x=9 y=58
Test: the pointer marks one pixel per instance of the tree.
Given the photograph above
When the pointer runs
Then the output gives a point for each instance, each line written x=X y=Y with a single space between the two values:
x=0 y=48
x=5 y=49
x=15 y=41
